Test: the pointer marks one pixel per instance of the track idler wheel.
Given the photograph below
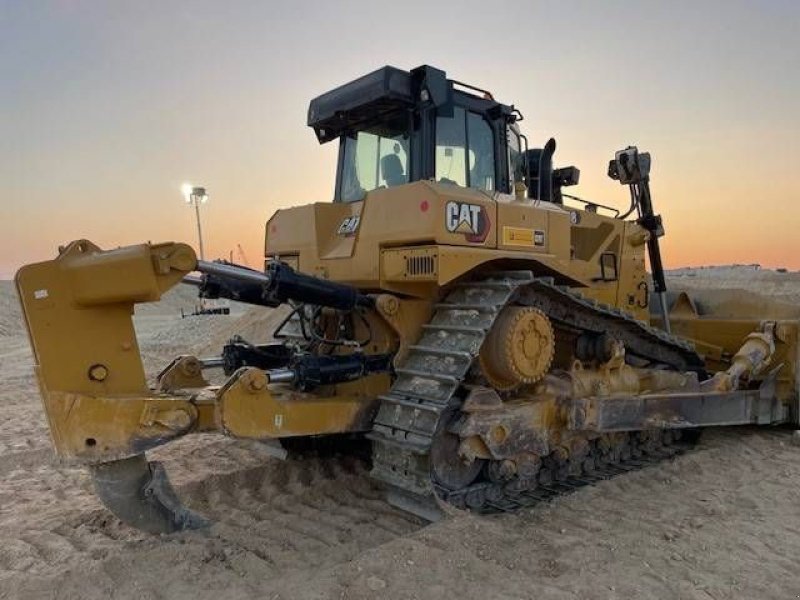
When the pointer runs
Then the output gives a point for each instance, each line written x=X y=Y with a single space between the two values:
x=519 y=349
x=139 y=493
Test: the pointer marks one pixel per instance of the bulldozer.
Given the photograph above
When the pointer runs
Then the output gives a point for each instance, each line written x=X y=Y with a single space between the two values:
x=490 y=339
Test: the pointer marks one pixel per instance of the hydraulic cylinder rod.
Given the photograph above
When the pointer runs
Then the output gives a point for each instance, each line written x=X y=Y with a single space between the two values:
x=278 y=285
x=234 y=272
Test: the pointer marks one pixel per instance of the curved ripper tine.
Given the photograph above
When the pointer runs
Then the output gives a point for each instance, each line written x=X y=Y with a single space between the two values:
x=139 y=493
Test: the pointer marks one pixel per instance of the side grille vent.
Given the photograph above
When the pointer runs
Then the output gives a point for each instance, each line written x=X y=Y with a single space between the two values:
x=420 y=265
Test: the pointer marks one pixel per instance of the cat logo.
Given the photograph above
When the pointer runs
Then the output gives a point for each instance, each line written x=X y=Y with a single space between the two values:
x=349 y=226
x=470 y=219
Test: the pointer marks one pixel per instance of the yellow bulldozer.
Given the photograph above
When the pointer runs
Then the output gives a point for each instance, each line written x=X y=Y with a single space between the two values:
x=491 y=339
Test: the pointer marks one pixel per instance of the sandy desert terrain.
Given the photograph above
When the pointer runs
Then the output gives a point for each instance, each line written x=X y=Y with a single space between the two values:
x=720 y=522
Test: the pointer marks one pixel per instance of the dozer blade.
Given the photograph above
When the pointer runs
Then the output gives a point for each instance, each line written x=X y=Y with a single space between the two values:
x=139 y=493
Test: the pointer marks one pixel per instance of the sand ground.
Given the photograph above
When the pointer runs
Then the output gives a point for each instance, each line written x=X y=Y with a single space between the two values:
x=721 y=522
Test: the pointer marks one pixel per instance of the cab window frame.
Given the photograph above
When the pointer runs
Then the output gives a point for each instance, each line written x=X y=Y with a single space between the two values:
x=421 y=130
x=515 y=171
x=497 y=183
x=349 y=137
x=492 y=113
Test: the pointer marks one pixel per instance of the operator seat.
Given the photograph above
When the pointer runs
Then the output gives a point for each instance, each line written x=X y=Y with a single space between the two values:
x=392 y=169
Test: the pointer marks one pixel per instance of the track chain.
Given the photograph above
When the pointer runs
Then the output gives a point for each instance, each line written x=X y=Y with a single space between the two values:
x=409 y=413
x=553 y=481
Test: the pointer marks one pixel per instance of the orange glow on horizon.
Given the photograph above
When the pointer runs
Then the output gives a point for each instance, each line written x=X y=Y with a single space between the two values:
x=103 y=121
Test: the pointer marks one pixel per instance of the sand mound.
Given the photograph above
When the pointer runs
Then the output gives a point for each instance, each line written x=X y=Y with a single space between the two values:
x=181 y=297
x=731 y=303
x=752 y=295
x=10 y=312
x=161 y=339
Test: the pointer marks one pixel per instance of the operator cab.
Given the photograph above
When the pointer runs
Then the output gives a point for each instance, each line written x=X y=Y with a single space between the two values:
x=398 y=126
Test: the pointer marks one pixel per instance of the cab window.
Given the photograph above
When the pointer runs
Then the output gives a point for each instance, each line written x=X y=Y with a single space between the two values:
x=465 y=150
x=373 y=159
x=516 y=169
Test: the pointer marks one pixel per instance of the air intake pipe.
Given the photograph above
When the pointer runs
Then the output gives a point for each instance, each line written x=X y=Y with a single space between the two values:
x=540 y=168
x=545 y=192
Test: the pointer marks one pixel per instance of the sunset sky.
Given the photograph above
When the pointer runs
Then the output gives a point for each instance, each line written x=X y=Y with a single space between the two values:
x=107 y=107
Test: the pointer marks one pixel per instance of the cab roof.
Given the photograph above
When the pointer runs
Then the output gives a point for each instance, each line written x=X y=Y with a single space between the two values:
x=373 y=97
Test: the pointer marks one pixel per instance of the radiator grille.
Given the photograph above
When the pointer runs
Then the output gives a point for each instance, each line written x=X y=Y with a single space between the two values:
x=420 y=265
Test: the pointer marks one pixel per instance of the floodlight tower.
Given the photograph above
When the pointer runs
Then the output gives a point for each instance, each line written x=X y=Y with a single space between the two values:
x=196 y=196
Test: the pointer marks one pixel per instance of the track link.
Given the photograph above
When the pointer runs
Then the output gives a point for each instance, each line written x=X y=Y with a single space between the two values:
x=554 y=481
x=438 y=364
